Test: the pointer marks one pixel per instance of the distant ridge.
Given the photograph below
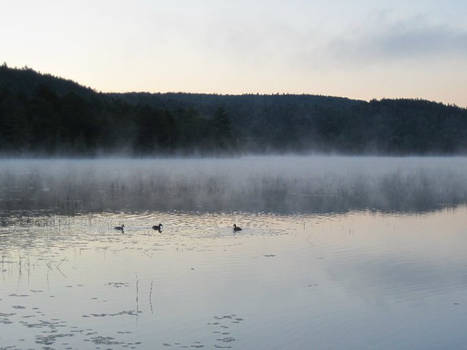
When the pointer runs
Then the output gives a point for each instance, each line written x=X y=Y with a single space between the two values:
x=47 y=115
x=26 y=80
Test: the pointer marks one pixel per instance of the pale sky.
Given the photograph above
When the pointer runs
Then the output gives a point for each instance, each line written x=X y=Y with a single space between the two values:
x=359 y=49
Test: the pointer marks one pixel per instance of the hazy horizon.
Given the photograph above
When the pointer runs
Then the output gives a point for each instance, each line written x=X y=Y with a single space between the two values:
x=230 y=94
x=360 y=50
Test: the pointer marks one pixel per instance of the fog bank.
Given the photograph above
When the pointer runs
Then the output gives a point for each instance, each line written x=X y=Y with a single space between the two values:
x=288 y=184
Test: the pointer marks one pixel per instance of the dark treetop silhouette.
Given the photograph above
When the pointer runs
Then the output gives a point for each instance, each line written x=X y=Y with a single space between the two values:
x=44 y=115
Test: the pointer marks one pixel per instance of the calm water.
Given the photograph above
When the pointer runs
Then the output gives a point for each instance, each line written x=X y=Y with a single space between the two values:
x=353 y=276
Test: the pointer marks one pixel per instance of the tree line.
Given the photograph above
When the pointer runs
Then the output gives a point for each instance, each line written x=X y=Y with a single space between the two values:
x=46 y=115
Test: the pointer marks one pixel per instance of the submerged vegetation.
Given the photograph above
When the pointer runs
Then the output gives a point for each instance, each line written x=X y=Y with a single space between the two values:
x=45 y=115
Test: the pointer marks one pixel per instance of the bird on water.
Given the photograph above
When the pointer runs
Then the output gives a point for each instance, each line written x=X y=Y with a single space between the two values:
x=236 y=228
x=157 y=227
x=120 y=228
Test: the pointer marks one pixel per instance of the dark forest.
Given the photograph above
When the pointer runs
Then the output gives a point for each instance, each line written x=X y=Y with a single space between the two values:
x=44 y=115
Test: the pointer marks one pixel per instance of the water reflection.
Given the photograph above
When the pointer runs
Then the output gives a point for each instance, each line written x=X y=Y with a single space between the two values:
x=250 y=184
x=359 y=280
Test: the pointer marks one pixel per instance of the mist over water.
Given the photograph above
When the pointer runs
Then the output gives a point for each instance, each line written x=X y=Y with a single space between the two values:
x=333 y=253
x=275 y=184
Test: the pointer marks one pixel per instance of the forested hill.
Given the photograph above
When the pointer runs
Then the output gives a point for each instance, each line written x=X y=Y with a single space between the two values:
x=45 y=115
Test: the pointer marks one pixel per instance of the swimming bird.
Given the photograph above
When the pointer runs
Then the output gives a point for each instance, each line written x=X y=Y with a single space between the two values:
x=157 y=227
x=236 y=228
x=120 y=228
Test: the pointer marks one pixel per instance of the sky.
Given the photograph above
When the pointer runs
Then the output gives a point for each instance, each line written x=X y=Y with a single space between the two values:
x=360 y=49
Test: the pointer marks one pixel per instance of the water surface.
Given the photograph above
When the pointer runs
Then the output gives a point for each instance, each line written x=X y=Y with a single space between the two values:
x=288 y=184
x=337 y=278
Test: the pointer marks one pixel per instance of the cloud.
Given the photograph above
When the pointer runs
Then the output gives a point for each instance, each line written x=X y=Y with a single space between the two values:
x=373 y=38
x=413 y=38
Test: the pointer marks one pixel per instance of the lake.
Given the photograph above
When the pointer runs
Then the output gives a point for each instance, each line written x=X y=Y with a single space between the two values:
x=334 y=253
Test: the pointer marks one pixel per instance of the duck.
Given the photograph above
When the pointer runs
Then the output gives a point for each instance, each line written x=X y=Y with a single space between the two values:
x=157 y=227
x=236 y=228
x=120 y=228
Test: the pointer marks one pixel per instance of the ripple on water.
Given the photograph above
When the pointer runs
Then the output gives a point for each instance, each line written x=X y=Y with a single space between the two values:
x=198 y=268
